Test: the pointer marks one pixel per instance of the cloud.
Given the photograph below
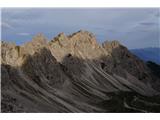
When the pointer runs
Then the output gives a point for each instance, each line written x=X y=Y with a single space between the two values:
x=113 y=23
x=157 y=14
x=111 y=30
x=147 y=23
x=6 y=25
x=23 y=34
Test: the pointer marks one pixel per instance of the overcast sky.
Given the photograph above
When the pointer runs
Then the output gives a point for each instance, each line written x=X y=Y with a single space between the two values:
x=135 y=28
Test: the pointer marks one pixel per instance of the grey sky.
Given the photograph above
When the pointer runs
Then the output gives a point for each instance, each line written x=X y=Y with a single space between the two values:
x=135 y=28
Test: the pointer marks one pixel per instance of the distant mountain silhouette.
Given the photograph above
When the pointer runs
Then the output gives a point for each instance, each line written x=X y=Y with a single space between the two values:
x=75 y=74
x=148 y=54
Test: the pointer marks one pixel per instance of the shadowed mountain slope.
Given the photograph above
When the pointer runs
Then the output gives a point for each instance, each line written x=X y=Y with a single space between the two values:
x=75 y=74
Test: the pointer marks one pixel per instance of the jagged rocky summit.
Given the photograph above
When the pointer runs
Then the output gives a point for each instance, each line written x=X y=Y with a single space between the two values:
x=73 y=73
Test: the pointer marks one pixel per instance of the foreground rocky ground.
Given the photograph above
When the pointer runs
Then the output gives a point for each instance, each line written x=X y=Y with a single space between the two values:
x=75 y=74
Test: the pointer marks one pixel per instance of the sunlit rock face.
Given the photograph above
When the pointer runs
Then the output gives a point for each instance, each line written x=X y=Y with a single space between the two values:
x=73 y=73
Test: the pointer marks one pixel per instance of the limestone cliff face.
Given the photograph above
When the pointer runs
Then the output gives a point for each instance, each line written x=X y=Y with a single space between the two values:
x=75 y=74
x=9 y=53
x=81 y=44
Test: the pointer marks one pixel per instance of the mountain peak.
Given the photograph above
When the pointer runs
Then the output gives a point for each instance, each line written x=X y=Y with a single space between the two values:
x=40 y=38
x=59 y=37
x=111 y=44
x=35 y=44
x=82 y=32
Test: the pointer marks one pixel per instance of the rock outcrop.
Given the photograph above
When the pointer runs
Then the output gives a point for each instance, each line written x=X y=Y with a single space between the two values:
x=75 y=74
x=122 y=60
